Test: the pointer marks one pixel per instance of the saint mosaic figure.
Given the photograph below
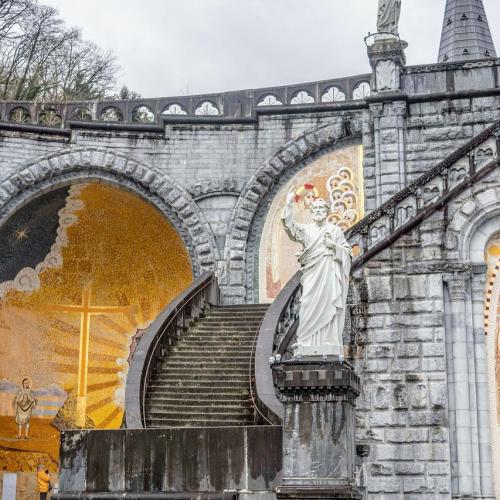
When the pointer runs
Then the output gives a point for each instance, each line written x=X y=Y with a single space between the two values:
x=24 y=404
x=388 y=16
x=325 y=262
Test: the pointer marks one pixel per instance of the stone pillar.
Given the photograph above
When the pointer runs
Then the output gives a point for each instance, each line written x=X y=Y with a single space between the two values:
x=481 y=366
x=458 y=380
x=388 y=107
x=319 y=449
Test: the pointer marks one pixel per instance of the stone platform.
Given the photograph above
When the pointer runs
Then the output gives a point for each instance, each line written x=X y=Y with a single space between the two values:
x=175 y=463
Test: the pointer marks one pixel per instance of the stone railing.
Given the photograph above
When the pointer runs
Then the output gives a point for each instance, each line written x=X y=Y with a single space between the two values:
x=275 y=335
x=235 y=105
x=429 y=193
x=163 y=333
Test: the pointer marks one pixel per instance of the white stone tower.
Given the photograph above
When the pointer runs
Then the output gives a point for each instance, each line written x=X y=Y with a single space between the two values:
x=466 y=34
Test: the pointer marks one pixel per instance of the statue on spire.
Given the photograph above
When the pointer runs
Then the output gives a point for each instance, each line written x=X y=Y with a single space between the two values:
x=388 y=16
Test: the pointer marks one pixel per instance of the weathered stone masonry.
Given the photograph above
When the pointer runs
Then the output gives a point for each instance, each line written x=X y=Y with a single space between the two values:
x=419 y=301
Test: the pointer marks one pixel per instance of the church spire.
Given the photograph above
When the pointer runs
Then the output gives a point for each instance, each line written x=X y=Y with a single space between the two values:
x=466 y=34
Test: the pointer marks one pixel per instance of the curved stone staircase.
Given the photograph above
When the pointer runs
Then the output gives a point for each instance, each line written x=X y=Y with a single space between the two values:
x=204 y=379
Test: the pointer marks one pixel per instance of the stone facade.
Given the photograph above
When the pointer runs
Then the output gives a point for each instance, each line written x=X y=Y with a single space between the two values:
x=419 y=301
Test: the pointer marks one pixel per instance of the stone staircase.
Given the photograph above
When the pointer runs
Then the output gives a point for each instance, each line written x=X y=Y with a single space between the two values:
x=204 y=380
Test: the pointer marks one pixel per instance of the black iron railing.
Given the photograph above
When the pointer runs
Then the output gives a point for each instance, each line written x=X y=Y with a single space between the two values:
x=163 y=333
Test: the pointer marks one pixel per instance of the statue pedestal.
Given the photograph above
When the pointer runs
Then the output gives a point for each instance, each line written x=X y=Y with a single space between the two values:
x=319 y=448
x=387 y=57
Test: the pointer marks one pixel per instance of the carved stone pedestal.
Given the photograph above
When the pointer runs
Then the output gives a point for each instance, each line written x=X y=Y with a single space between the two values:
x=319 y=449
x=387 y=57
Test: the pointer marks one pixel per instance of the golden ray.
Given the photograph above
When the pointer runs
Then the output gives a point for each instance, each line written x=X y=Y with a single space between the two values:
x=113 y=415
x=102 y=385
x=97 y=406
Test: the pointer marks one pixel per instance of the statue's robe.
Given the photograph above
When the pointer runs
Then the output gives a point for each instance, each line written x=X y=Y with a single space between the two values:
x=24 y=403
x=326 y=263
x=388 y=16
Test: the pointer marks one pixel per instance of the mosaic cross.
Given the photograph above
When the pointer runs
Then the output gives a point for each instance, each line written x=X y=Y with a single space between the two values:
x=86 y=310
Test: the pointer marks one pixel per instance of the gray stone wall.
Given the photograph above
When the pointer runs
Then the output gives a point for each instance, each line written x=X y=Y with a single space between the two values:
x=215 y=181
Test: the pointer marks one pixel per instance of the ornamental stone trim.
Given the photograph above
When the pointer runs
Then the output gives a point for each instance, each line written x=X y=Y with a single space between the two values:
x=472 y=223
x=75 y=165
x=456 y=287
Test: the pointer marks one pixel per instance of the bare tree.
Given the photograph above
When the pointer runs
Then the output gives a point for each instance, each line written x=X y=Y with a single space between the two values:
x=41 y=59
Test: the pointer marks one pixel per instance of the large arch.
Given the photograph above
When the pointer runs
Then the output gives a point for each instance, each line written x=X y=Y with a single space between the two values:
x=76 y=165
x=272 y=174
x=473 y=222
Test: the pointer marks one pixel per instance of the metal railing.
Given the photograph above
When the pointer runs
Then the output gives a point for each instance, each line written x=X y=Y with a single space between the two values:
x=420 y=199
x=161 y=335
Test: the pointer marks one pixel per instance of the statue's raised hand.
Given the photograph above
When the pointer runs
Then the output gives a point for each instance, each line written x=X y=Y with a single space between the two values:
x=290 y=197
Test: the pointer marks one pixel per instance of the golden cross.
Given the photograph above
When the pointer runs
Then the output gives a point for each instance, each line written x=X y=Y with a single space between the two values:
x=86 y=311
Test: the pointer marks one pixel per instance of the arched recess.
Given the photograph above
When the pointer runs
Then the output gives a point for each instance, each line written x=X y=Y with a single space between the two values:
x=249 y=213
x=473 y=225
x=77 y=165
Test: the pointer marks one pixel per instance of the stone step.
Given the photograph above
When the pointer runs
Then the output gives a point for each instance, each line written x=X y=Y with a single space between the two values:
x=178 y=377
x=193 y=408
x=243 y=331
x=204 y=379
x=186 y=362
x=187 y=368
x=207 y=383
x=201 y=372
x=212 y=348
x=219 y=373
x=210 y=356
x=236 y=307
x=214 y=343
x=199 y=398
x=230 y=316
x=199 y=414
x=190 y=389
x=172 y=422
x=229 y=323
x=217 y=338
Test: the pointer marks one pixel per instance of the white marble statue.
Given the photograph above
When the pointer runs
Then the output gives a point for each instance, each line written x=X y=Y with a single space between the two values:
x=325 y=262
x=388 y=16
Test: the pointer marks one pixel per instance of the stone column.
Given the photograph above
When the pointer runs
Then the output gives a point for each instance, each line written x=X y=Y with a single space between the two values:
x=458 y=383
x=388 y=107
x=319 y=448
x=481 y=367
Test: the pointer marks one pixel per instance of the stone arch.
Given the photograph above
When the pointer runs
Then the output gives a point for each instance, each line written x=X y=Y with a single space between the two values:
x=289 y=159
x=86 y=164
x=475 y=221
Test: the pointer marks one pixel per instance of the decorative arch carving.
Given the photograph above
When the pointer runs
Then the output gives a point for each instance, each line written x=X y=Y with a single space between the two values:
x=291 y=155
x=86 y=164
x=471 y=224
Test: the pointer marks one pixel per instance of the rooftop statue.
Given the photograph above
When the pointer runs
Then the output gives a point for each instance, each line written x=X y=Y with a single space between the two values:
x=326 y=263
x=388 y=16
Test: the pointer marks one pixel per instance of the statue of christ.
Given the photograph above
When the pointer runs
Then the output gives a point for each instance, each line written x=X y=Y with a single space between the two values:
x=325 y=262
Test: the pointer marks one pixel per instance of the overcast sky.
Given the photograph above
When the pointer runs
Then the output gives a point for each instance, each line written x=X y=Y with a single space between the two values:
x=174 y=47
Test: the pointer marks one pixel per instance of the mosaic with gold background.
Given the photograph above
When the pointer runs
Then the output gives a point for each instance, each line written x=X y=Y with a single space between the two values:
x=85 y=270
x=337 y=177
